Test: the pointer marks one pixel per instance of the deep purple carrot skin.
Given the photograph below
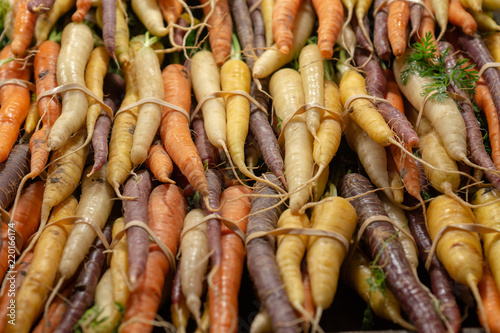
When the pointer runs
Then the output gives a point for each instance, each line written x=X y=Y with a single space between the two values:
x=441 y=283
x=208 y=153
x=380 y=241
x=474 y=137
x=416 y=12
x=376 y=84
x=380 y=34
x=261 y=261
x=86 y=282
x=180 y=33
x=363 y=42
x=137 y=186
x=258 y=28
x=475 y=46
x=176 y=294
x=424 y=183
x=214 y=179
x=244 y=29
x=109 y=26
x=40 y=6
x=15 y=167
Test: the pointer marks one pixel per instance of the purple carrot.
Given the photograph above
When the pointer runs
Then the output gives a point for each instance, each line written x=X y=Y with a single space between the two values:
x=86 y=282
x=475 y=145
x=244 y=29
x=416 y=12
x=180 y=33
x=40 y=6
x=424 y=183
x=380 y=34
x=261 y=260
x=137 y=186
x=440 y=280
x=475 y=46
x=214 y=179
x=109 y=26
x=258 y=28
x=15 y=167
x=208 y=153
x=382 y=246
x=376 y=86
x=263 y=132
x=363 y=42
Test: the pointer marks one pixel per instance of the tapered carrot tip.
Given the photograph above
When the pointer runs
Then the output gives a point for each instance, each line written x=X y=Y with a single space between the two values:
x=326 y=53
x=284 y=49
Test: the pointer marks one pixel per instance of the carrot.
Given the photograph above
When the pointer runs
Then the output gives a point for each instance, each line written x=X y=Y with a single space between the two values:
x=398 y=18
x=362 y=7
x=330 y=16
x=76 y=46
x=408 y=170
x=167 y=209
x=206 y=80
x=349 y=6
x=95 y=204
x=380 y=35
x=115 y=29
x=223 y=297
x=11 y=173
x=46 y=21
x=491 y=43
x=485 y=103
x=284 y=12
x=416 y=12
x=460 y=251
x=149 y=14
x=160 y=164
x=214 y=179
x=49 y=108
x=259 y=29
x=178 y=309
x=472 y=4
x=138 y=186
x=119 y=265
x=209 y=155
x=490 y=298
x=440 y=9
x=82 y=7
x=194 y=248
x=14 y=101
x=320 y=183
x=485 y=22
x=461 y=18
x=261 y=323
x=427 y=24
x=397 y=186
x=286 y=89
x=42 y=272
x=32 y=118
x=392 y=94
x=359 y=29
x=272 y=59
x=379 y=237
x=267 y=15
x=220 y=28
x=24 y=24
x=261 y=261
x=170 y=10
x=15 y=278
x=40 y=6
x=244 y=30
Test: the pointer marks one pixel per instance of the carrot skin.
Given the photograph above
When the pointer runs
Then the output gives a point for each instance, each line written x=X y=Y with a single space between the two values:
x=416 y=12
x=330 y=17
x=380 y=34
x=484 y=100
x=82 y=7
x=220 y=29
x=24 y=25
x=379 y=238
x=86 y=283
x=360 y=36
x=261 y=260
x=109 y=26
x=40 y=6
x=214 y=179
x=27 y=216
x=284 y=13
x=208 y=153
x=14 y=169
x=244 y=29
x=441 y=283
x=100 y=139
x=490 y=298
x=259 y=30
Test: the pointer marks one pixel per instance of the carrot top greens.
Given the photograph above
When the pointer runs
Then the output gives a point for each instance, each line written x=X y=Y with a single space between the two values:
x=425 y=61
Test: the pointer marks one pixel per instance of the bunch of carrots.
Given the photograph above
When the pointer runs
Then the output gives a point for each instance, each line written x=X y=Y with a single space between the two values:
x=153 y=152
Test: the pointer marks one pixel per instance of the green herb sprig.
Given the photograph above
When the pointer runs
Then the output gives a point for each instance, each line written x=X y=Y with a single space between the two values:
x=425 y=61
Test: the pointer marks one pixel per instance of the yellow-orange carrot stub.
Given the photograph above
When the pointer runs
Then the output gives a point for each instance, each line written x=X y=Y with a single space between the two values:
x=284 y=13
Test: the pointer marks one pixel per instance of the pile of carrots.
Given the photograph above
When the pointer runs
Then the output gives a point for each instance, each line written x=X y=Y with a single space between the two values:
x=152 y=152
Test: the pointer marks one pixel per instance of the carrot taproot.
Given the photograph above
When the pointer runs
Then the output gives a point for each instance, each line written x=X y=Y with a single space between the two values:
x=398 y=18
x=82 y=7
x=286 y=89
x=119 y=264
x=116 y=33
x=42 y=272
x=427 y=24
x=361 y=9
x=393 y=94
x=252 y=151
x=40 y=6
x=24 y=25
x=76 y=46
x=397 y=186
x=472 y=4
x=485 y=103
x=194 y=249
x=32 y=118
x=360 y=27
x=259 y=28
x=267 y=15
x=491 y=43
x=178 y=308
x=214 y=179
x=167 y=209
x=320 y=183
x=416 y=12
x=490 y=297
x=408 y=170
x=12 y=171
x=149 y=14
x=284 y=12
x=458 y=16
x=440 y=9
x=170 y=10
x=485 y=22
x=244 y=30
x=380 y=35
x=223 y=296
x=209 y=155
x=159 y=163
x=220 y=28
x=330 y=15
x=261 y=323
x=491 y=4
x=109 y=13
x=46 y=21
x=49 y=108
x=14 y=101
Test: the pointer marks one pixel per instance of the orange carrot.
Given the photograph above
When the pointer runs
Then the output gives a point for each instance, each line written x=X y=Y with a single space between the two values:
x=485 y=102
x=220 y=28
x=166 y=211
x=174 y=127
x=24 y=25
x=223 y=297
x=170 y=10
x=392 y=94
x=397 y=21
x=408 y=170
x=427 y=24
x=462 y=18
x=330 y=17
x=490 y=297
x=82 y=7
x=48 y=106
x=284 y=13
x=15 y=101
x=159 y=163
